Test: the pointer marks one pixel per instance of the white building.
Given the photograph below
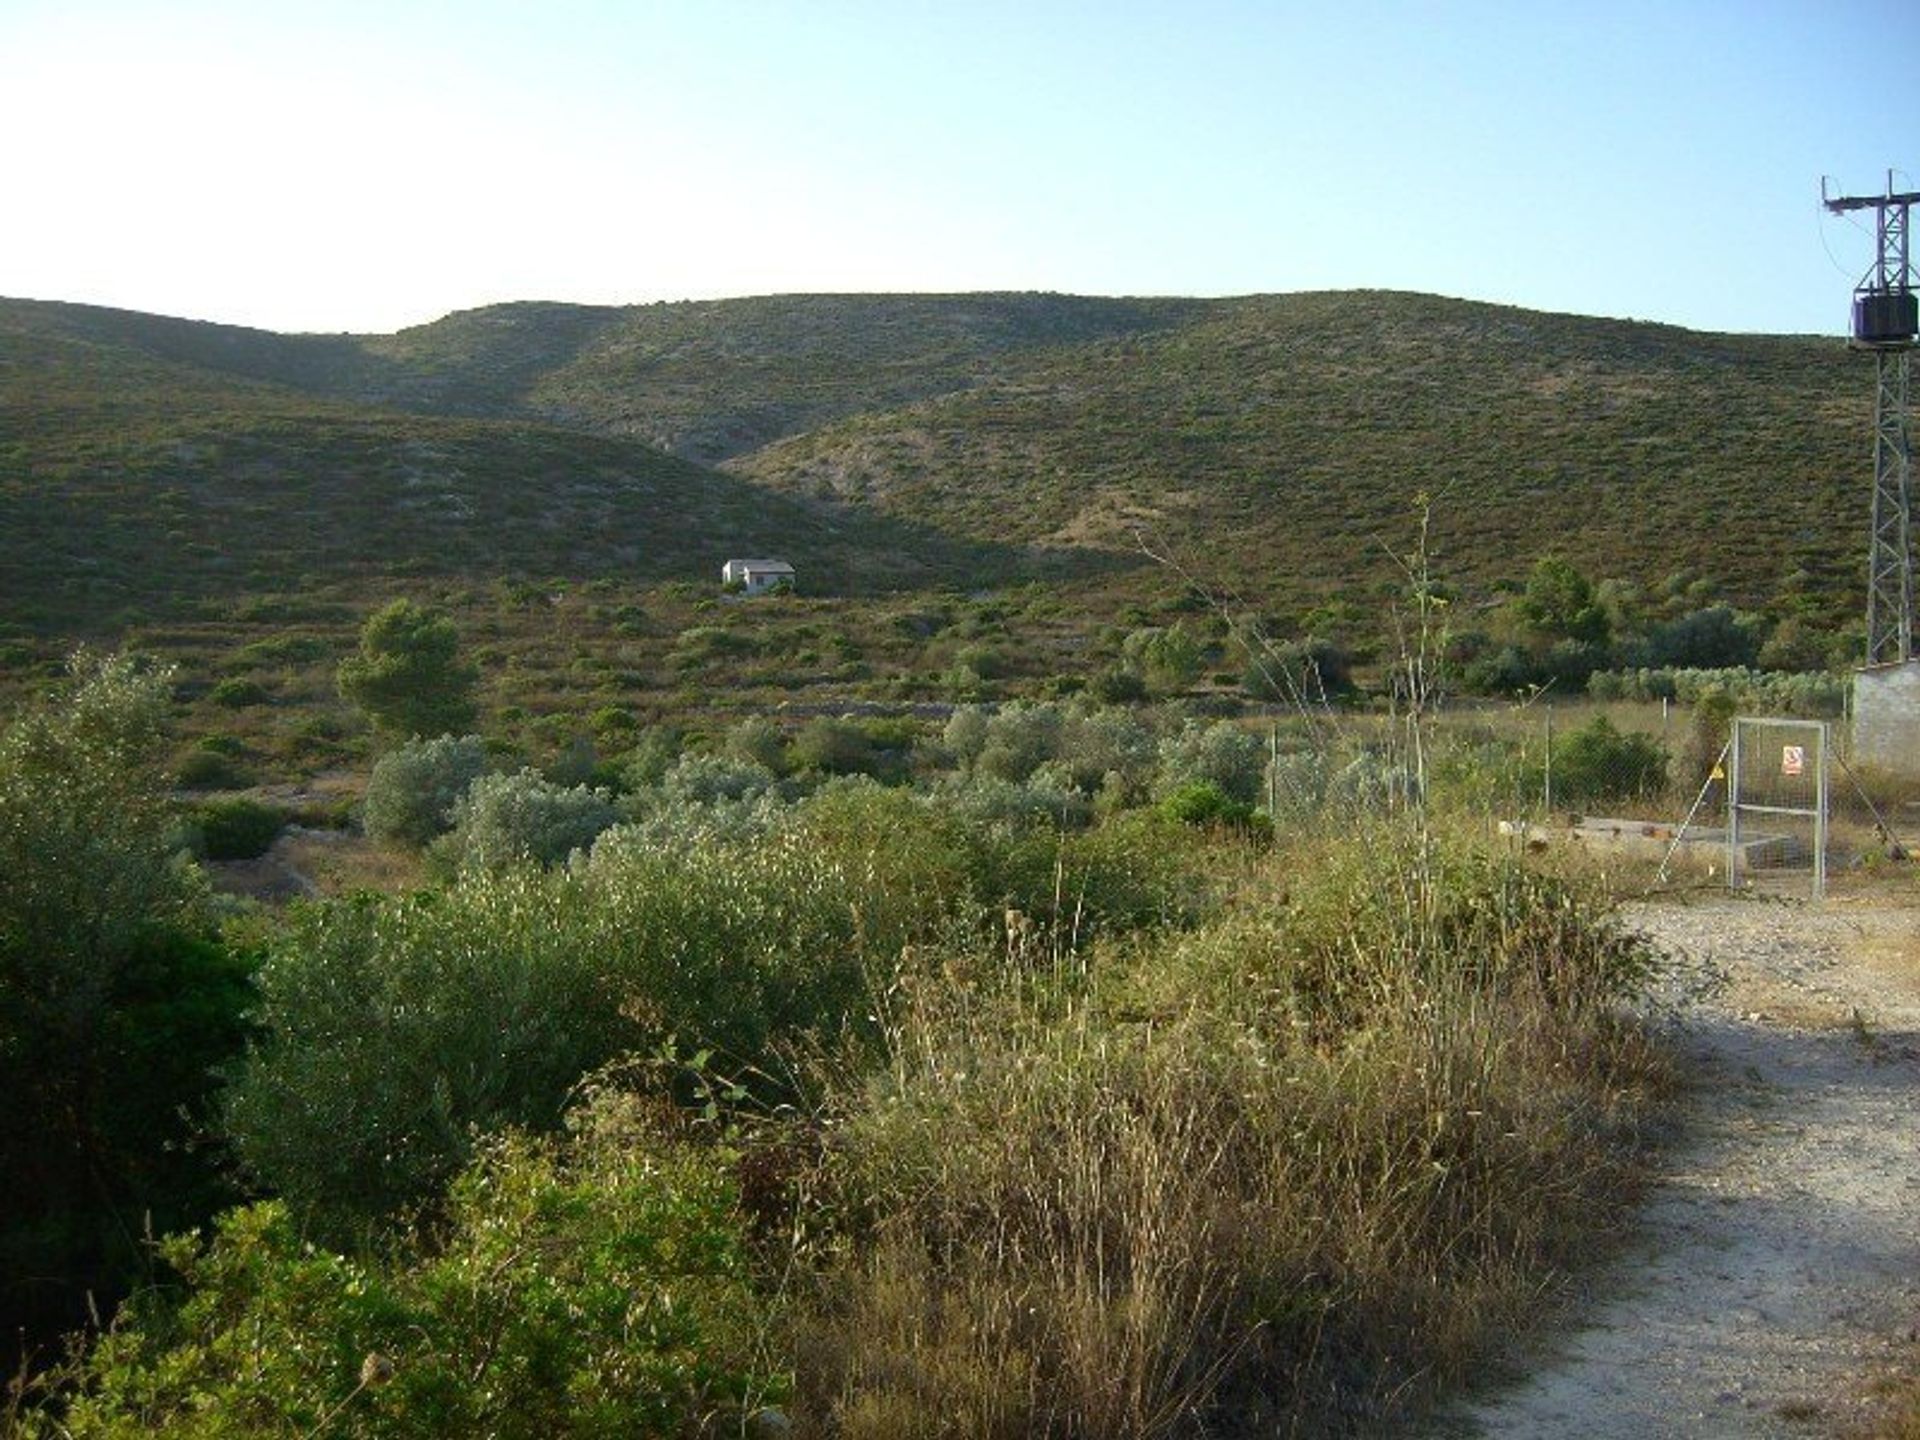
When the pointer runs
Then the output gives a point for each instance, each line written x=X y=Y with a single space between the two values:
x=756 y=576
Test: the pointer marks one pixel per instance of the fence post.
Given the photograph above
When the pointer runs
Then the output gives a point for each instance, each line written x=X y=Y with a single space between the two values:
x=1546 y=797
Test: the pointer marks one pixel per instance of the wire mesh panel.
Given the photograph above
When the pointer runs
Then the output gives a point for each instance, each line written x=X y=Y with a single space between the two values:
x=1777 y=798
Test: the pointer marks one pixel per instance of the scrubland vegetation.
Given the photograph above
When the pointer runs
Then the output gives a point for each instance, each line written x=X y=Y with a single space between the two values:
x=1018 y=1076
x=1008 y=987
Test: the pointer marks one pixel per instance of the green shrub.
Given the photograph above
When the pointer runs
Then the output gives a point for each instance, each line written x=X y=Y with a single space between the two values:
x=413 y=789
x=505 y=820
x=1117 y=685
x=1297 y=672
x=1020 y=738
x=213 y=767
x=595 y=1287
x=1598 y=762
x=833 y=747
x=237 y=829
x=1108 y=747
x=987 y=800
x=390 y=1028
x=758 y=741
x=236 y=693
x=1167 y=658
x=106 y=979
x=1222 y=754
x=1715 y=638
x=1201 y=802
x=652 y=755
x=706 y=779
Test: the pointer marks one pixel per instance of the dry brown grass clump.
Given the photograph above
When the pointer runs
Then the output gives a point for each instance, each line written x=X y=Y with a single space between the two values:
x=1294 y=1168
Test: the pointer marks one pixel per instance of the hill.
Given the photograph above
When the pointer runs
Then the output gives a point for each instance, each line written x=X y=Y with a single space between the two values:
x=198 y=488
x=153 y=468
x=1279 y=442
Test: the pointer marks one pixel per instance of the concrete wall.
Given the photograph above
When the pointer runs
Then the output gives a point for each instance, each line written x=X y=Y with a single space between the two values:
x=1886 y=718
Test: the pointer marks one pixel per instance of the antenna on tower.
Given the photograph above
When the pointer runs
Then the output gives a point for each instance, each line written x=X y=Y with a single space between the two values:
x=1886 y=320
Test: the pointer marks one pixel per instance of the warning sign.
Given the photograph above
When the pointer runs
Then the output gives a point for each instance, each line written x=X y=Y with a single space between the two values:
x=1793 y=759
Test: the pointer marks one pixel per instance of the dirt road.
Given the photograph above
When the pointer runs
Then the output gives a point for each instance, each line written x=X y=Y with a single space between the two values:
x=1776 y=1269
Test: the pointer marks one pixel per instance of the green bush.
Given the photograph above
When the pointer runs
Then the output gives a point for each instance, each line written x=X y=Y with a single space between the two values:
x=652 y=755
x=505 y=820
x=758 y=741
x=706 y=779
x=414 y=788
x=594 y=1287
x=1167 y=658
x=237 y=828
x=236 y=693
x=390 y=1028
x=833 y=747
x=106 y=979
x=1020 y=737
x=206 y=768
x=1222 y=754
x=1598 y=762
x=1110 y=748
x=1201 y=802
x=1117 y=685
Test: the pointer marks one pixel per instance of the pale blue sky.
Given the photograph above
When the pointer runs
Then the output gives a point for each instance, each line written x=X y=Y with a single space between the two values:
x=364 y=166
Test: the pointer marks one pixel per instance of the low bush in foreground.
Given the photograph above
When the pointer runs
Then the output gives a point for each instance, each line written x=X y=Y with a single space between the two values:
x=1052 y=1151
x=596 y=1286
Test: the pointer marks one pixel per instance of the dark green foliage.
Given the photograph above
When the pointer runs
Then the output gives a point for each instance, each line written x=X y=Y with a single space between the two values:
x=1599 y=763
x=594 y=1288
x=407 y=674
x=833 y=747
x=414 y=788
x=652 y=755
x=236 y=693
x=1167 y=659
x=1118 y=686
x=1297 y=672
x=238 y=828
x=1712 y=639
x=112 y=1008
x=1797 y=645
x=394 y=1028
x=211 y=767
x=1221 y=754
x=1559 y=604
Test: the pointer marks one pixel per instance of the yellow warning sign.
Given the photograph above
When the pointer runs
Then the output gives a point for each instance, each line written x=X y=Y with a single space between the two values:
x=1793 y=759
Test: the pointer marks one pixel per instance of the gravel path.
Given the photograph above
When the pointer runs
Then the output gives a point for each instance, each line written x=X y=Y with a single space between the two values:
x=1776 y=1266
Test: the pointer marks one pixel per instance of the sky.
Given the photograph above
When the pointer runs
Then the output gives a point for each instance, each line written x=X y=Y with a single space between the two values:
x=347 y=166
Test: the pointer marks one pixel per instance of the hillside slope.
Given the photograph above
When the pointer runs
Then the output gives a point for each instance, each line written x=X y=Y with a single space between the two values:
x=154 y=479
x=1280 y=442
x=1277 y=441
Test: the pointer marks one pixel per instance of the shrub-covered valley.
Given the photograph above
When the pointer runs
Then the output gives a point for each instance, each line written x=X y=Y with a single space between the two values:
x=1052 y=971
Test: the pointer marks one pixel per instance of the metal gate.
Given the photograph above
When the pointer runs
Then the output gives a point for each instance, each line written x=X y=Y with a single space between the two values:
x=1777 y=798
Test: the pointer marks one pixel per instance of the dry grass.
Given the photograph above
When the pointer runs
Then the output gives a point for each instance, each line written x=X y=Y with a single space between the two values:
x=1293 y=1170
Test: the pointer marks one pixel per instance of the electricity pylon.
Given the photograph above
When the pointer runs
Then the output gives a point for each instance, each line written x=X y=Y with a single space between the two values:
x=1885 y=321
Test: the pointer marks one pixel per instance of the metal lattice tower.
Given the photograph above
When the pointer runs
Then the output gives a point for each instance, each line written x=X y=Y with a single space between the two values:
x=1885 y=322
